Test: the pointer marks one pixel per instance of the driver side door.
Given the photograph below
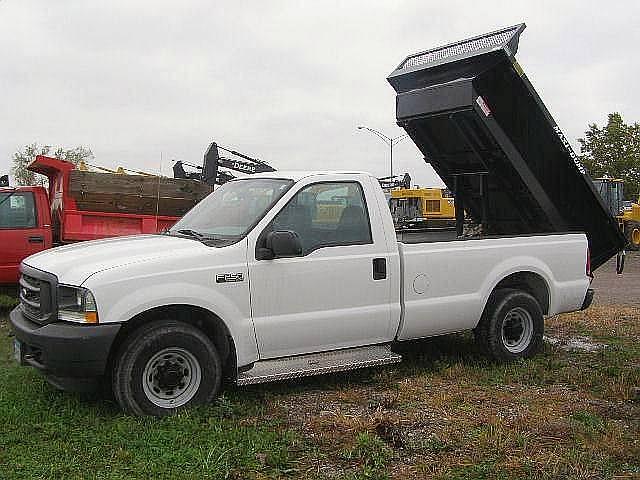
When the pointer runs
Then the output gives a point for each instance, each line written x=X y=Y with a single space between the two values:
x=327 y=297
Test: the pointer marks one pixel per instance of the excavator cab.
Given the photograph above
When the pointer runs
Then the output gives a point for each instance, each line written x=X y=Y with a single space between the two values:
x=626 y=213
x=612 y=192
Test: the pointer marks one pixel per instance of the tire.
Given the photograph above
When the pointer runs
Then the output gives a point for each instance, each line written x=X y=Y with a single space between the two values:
x=632 y=232
x=511 y=326
x=164 y=367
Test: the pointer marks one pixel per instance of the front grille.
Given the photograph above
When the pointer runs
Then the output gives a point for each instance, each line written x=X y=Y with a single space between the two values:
x=37 y=295
x=30 y=291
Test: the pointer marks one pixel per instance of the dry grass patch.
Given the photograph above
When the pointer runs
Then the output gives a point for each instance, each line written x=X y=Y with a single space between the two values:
x=605 y=321
x=446 y=412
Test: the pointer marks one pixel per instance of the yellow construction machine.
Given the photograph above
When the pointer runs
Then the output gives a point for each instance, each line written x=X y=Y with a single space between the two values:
x=422 y=208
x=627 y=213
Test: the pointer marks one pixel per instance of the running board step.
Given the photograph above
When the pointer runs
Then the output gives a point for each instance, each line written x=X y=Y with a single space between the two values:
x=318 y=363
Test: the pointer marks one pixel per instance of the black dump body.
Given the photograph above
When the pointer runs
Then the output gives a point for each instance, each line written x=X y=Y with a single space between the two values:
x=477 y=119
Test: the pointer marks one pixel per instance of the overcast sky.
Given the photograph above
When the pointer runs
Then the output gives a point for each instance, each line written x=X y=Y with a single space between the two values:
x=287 y=82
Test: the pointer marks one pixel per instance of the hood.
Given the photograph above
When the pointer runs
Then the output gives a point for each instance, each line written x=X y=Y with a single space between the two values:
x=73 y=264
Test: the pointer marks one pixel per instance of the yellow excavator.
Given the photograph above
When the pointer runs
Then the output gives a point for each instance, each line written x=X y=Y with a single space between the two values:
x=626 y=213
x=422 y=208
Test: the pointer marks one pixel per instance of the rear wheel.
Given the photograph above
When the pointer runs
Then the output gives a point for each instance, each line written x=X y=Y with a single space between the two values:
x=511 y=326
x=632 y=232
x=166 y=366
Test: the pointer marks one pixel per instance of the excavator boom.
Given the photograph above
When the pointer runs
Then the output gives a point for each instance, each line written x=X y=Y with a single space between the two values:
x=210 y=172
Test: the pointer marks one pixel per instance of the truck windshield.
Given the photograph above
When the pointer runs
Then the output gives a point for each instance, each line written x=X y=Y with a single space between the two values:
x=232 y=209
x=17 y=210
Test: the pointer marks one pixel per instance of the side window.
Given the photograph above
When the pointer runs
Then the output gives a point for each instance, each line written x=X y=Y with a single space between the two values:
x=17 y=210
x=326 y=214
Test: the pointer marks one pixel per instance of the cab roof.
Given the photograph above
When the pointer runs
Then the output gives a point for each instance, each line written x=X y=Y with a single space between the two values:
x=296 y=175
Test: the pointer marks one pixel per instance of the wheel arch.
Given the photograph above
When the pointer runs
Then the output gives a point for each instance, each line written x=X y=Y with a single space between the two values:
x=527 y=281
x=207 y=321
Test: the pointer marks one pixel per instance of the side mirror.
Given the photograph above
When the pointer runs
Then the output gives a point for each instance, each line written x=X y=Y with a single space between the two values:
x=284 y=243
x=264 y=254
x=4 y=181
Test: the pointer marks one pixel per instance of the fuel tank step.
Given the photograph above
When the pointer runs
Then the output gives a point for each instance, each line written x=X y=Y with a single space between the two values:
x=318 y=363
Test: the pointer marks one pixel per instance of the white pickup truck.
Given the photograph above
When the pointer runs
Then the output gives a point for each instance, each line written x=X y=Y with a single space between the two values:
x=277 y=276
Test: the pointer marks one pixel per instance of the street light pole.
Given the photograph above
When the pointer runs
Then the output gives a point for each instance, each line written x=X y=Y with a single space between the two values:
x=391 y=157
x=391 y=141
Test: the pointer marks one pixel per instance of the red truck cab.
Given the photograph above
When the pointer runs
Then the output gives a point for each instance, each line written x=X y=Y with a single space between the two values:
x=25 y=227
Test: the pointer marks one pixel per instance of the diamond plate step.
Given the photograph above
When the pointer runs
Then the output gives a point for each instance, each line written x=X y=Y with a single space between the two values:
x=318 y=363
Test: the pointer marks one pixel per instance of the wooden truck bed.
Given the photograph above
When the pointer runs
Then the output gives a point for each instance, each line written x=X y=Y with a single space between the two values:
x=90 y=205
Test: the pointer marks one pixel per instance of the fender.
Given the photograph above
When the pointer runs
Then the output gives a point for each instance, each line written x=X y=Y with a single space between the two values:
x=521 y=264
x=157 y=294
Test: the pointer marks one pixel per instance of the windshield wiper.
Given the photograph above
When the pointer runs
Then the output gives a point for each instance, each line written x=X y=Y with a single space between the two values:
x=191 y=233
x=15 y=190
x=206 y=239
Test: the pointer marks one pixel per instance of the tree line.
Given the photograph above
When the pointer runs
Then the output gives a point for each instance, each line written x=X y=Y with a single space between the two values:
x=27 y=154
x=613 y=151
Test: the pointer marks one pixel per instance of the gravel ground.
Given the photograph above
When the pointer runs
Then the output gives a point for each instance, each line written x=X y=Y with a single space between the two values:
x=612 y=288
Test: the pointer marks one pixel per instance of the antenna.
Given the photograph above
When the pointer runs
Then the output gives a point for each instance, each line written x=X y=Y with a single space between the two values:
x=158 y=192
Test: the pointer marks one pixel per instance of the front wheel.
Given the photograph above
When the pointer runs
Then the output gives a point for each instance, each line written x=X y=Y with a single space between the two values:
x=511 y=326
x=166 y=366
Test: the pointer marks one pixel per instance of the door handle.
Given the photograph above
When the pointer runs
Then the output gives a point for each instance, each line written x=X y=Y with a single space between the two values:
x=36 y=239
x=379 y=268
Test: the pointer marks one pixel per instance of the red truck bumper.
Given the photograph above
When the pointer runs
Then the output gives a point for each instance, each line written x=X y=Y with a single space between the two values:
x=9 y=274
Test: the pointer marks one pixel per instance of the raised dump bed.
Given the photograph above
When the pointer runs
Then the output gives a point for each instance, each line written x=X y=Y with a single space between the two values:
x=479 y=122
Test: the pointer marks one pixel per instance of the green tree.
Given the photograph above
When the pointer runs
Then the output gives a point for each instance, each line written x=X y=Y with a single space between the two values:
x=22 y=158
x=613 y=151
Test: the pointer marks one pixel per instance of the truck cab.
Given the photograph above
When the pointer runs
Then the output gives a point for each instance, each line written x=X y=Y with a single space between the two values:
x=25 y=227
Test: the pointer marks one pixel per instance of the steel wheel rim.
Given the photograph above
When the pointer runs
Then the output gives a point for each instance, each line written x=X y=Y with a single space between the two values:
x=171 y=377
x=517 y=330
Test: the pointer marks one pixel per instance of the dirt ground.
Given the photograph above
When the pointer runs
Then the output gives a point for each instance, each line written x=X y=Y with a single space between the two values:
x=612 y=288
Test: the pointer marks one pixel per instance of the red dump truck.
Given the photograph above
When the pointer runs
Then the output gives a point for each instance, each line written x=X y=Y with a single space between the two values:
x=82 y=205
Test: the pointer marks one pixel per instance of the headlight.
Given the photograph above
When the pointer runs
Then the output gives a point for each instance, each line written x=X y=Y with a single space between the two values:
x=76 y=304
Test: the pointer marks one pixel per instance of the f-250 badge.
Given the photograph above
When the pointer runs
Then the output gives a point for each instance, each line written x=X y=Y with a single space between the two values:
x=229 y=277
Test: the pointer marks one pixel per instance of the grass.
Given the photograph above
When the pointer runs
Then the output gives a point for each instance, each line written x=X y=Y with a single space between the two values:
x=7 y=302
x=444 y=413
